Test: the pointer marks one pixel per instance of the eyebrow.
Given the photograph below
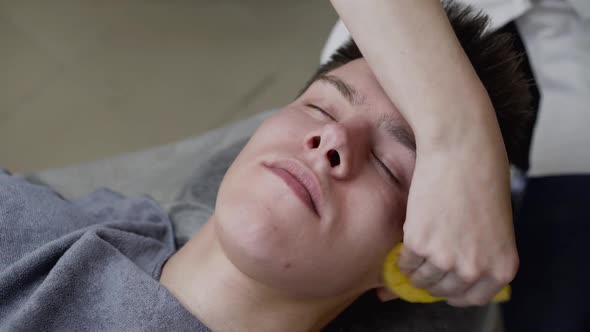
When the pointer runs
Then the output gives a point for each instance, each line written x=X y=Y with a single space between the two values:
x=400 y=133
x=347 y=91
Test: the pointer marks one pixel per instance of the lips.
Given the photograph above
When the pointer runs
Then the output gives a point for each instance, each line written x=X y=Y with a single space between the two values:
x=301 y=180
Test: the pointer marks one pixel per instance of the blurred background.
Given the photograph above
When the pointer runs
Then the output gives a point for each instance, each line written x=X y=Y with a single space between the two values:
x=89 y=79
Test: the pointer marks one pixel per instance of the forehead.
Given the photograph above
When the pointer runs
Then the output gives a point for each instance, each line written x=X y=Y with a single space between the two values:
x=359 y=76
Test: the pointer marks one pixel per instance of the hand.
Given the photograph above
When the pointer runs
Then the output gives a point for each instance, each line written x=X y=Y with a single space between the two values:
x=458 y=235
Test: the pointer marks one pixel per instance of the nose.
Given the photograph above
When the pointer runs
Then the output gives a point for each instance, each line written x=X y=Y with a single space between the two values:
x=337 y=148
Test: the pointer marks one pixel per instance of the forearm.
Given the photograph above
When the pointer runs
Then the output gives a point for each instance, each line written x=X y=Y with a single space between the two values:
x=416 y=57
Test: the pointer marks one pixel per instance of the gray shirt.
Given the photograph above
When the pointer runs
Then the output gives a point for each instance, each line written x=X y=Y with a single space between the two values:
x=92 y=264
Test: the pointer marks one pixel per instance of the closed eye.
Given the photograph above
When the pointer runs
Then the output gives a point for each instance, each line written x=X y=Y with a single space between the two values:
x=321 y=110
x=387 y=171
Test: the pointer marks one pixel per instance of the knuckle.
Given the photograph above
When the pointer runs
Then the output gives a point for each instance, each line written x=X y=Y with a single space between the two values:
x=448 y=289
x=434 y=270
x=442 y=262
x=469 y=275
x=504 y=277
x=419 y=274
x=459 y=288
x=419 y=280
x=411 y=238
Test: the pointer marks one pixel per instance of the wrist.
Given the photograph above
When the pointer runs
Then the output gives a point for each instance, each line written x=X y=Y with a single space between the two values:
x=470 y=134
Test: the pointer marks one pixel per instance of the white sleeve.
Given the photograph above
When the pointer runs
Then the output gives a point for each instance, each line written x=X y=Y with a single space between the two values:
x=557 y=40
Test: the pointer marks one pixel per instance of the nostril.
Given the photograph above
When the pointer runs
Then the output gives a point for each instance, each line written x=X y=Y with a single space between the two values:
x=315 y=142
x=334 y=158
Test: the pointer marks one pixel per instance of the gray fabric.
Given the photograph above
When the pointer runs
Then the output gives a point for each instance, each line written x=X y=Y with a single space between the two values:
x=185 y=177
x=91 y=264
x=160 y=172
x=196 y=201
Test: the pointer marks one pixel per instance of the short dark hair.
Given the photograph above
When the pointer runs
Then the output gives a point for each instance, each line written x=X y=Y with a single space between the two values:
x=495 y=61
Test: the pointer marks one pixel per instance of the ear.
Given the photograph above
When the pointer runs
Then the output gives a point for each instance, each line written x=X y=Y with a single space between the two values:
x=384 y=294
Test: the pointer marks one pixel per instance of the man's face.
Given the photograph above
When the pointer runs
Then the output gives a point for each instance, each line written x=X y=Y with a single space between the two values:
x=317 y=198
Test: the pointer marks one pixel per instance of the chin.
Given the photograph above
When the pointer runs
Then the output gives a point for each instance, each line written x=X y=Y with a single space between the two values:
x=247 y=231
x=274 y=257
x=268 y=235
x=253 y=246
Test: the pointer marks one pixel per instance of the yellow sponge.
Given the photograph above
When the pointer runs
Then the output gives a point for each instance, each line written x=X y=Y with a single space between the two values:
x=399 y=283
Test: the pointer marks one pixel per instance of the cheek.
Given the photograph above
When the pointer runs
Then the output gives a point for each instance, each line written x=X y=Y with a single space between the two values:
x=376 y=204
x=289 y=123
x=373 y=216
x=261 y=229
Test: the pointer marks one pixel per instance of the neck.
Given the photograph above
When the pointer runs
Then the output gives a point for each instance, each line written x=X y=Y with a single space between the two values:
x=205 y=281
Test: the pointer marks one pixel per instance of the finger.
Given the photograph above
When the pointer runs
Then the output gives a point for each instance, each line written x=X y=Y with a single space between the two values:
x=408 y=261
x=449 y=286
x=481 y=293
x=426 y=275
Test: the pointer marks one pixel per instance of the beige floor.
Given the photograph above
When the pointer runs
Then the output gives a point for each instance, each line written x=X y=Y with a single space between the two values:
x=84 y=80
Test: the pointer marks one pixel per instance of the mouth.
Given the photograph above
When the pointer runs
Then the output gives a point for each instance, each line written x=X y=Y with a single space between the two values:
x=301 y=180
